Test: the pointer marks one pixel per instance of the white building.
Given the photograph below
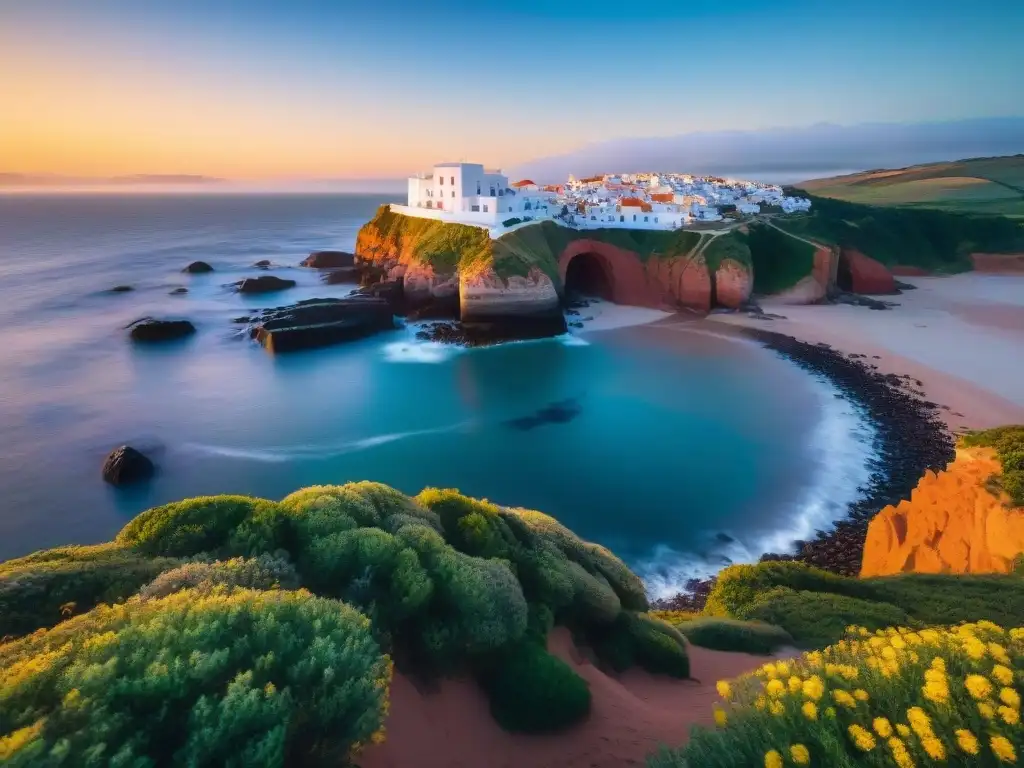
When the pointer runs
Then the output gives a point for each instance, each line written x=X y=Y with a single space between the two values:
x=458 y=188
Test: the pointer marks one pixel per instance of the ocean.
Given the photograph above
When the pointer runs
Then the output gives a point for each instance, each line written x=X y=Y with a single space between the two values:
x=680 y=452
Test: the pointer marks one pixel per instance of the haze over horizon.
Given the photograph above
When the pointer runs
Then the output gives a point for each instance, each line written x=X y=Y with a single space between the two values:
x=255 y=92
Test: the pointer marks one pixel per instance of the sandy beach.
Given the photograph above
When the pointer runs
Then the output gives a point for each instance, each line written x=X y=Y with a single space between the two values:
x=961 y=336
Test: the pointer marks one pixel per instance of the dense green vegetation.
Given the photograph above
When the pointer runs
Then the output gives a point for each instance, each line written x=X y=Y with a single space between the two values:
x=937 y=241
x=42 y=589
x=779 y=261
x=450 y=247
x=237 y=678
x=1009 y=445
x=733 y=245
x=815 y=606
x=733 y=635
x=252 y=632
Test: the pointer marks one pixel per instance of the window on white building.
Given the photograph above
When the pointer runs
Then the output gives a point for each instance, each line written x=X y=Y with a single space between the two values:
x=453 y=180
x=655 y=219
x=645 y=218
x=478 y=187
x=475 y=208
x=485 y=208
x=492 y=191
x=453 y=193
x=634 y=217
x=442 y=179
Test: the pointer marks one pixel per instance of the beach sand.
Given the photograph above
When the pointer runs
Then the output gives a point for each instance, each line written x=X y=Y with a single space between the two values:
x=961 y=336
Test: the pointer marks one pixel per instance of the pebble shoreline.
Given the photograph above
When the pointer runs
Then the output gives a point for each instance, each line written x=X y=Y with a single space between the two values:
x=910 y=438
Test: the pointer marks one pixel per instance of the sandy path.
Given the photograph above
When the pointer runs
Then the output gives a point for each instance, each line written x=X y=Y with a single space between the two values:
x=630 y=716
x=961 y=336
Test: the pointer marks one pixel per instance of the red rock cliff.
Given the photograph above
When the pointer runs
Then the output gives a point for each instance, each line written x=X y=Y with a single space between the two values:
x=866 y=275
x=952 y=524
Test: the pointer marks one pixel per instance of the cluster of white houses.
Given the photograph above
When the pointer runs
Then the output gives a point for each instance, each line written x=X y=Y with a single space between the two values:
x=467 y=193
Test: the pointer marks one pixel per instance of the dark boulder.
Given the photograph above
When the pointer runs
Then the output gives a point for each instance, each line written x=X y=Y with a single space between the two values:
x=149 y=329
x=198 y=268
x=392 y=291
x=263 y=284
x=329 y=260
x=321 y=322
x=179 y=291
x=486 y=331
x=121 y=289
x=126 y=465
x=341 y=275
x=262 y=264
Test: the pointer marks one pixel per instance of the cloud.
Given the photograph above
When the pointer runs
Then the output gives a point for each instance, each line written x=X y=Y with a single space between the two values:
x=789 y=154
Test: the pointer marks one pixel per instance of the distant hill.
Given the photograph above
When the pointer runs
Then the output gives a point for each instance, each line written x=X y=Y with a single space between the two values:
x=982 y=185
x=58 y=180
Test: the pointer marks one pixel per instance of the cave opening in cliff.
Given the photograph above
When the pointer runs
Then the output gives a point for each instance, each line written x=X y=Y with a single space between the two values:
x=844 y=278
x=586 y=275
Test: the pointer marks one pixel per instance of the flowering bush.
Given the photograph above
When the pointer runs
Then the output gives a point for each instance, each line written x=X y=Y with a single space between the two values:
x=896 y=697
x=242 y=678
x=263 y=572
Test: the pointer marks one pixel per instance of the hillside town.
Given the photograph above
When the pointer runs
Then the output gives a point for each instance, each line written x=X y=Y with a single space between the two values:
x=468 y=193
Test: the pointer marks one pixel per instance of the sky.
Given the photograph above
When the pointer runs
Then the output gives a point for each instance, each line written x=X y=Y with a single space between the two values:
x=350 y=89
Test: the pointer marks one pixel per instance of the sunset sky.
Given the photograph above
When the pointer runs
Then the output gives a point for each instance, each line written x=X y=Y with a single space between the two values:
x=347 y=89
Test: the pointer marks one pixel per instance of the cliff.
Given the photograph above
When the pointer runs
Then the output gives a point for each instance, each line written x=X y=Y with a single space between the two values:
x=956 y=521
x=525 y=270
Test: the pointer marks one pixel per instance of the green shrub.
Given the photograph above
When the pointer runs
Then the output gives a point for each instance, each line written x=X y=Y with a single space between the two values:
x=1008 y=442
x=936 y=599
x=732 y=635
x=470 y=525
x=43 y=588
x=263 y=572
x=232 y=525
x=532 y=691
x=241 y=679
x=816 y=619
x=640 y=639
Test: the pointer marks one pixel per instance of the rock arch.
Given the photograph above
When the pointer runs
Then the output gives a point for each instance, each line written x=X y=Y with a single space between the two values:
x=658 y=283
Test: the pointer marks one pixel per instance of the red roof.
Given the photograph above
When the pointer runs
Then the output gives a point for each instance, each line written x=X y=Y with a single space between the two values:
x=634 y=202
x=663 y=197
x=524 y=183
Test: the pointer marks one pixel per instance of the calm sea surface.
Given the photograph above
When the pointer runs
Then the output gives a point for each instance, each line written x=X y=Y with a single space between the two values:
x=686 y=450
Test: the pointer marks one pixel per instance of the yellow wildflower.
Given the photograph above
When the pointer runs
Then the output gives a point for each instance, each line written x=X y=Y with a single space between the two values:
x=997 y=652
x=1002 y=674
x=813 y=688
x=860 y=694
x=1003 y=749
x=760 y=702
x=898 y=643
x=1010 y=697
x=772 y=759
x=844 y=698
x=776 y=708
x=989 y=625
x=919 y=721
x=768 y=670
x=967 y=741
x=862 y=739
x=900 y=754
x=936 y=691
x=724 y=689
x=889 y=654
x=979 y=687
x=782 y=668
x=720 y=717
x=776 y=688
x=935 y=675
x=938 y=663
x=882 y=727
x=930 y=635
x=1009 y=715
x=903 y=729
x=986 y=709
x=795 y=684
x=800 y=754
x=934 y=747
x=974 y=648
x=810 y=710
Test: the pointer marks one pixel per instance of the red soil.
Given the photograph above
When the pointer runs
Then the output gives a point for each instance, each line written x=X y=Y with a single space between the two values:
x=630 y=716
x=866 y=274
x=998 y=263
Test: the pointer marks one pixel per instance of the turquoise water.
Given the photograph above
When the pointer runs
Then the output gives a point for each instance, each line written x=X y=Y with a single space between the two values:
x=678 y=449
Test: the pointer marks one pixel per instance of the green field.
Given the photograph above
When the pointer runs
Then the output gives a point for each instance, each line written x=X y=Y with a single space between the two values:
x=989 y=185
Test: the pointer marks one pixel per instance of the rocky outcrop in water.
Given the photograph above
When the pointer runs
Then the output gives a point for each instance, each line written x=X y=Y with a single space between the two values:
x=264 y=284
x=198 y=268
x=148 y=330
x=486 y=295
x=126 y=465
x=321 y=322
x=121 y=289
x=328 y=260
x=955 y=521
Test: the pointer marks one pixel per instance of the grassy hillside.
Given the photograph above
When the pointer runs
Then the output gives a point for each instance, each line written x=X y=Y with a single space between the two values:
x=931 y=239
x=780 y=261
x=988 y=185
x=450 y=247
